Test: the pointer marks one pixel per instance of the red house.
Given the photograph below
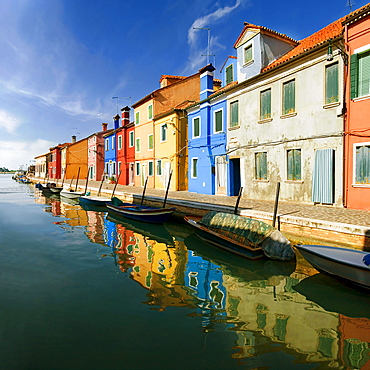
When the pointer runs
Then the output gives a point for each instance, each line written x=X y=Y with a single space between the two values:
x=125 y=149
x=357 y=123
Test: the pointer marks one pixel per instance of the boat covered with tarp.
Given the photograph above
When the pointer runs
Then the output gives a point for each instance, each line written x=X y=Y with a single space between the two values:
x=245 y=236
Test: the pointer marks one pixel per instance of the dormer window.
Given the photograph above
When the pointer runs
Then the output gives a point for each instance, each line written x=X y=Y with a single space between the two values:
x=248 y=54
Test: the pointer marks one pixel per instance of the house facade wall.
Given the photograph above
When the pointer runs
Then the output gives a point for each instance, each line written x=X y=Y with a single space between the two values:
x=357 y=123
x=313 y=125
x=76 y=160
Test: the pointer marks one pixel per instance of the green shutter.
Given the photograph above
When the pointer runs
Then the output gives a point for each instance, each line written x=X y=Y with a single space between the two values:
x=248 y=54
x=234 y=118
x=196 y=127
x=363 y=165
x=150 y=168
x=229 y=74
x=218 y=121
x=294 y=164
x=353 y=75
x=194 y=169
x=265 y=104
x=331 y=84
x=261 y=166
x=150 y=112
x=363 y=74
x=289 y=97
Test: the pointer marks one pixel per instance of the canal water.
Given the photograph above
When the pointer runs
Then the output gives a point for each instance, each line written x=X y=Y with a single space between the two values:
x=80 y=290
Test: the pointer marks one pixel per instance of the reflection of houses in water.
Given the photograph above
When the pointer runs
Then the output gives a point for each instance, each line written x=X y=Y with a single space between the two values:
x=205 y=281
x=354 y=342
x=95 y=227
x=159 y=268
x=124 y=248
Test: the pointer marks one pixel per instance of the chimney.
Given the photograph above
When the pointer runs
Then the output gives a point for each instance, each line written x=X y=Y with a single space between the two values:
x=116 y=121
x=73 y=139
x=206 y=81
x=125 y=116
x=104 y=126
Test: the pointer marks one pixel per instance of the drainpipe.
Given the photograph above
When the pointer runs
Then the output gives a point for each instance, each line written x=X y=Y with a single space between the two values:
x=346 y=109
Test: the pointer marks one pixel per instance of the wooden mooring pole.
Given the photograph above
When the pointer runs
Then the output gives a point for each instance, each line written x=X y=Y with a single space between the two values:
x=276 y=203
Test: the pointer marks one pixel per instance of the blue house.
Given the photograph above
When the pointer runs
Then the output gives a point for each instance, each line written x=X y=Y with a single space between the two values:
x=207 y=154
x=110 y=151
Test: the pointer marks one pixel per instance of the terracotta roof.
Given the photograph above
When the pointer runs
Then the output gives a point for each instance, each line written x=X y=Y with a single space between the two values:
x=331 y=31
x=264 y=30
x=174 y=77
x=357 y=13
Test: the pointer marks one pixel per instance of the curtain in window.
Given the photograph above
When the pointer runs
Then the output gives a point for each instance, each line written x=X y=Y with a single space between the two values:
x=323 y=177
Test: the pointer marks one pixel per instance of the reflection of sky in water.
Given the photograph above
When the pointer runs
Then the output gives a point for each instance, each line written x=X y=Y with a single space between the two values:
x=207 y=308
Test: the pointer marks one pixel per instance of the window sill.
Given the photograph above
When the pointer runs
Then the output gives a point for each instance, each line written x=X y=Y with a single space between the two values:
x=233 y=128
x=289 y=115
x=331 y=105
x=248 y=63
x=359 y=98
x=293 y=181
x=264 y=181
x=266 y=120
x=361 y=186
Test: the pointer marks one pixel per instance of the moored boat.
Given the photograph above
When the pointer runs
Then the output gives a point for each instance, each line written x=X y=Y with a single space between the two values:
x=349 y=264
x=70 y=194
x=242 y=235
x=139 y=212
x=94 y=200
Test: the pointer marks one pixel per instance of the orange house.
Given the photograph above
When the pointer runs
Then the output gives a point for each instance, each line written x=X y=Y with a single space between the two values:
x=357 y=124
x=76 y=161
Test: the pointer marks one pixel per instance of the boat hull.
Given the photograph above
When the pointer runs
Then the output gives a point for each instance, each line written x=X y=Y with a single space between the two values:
x=222 y=241
x=71 y=194
x=94 y=201
x=342 y=263
x=56 y=189
x=141 y=213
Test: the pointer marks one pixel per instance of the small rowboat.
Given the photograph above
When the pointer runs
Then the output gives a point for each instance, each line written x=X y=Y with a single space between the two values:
x=91 y=200
x=139 y=212
x=70 y=194
x=349 y=264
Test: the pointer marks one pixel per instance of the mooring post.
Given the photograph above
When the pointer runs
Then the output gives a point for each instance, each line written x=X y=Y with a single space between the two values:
x=276 y=203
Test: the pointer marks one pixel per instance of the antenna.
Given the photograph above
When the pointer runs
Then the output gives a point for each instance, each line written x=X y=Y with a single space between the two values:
x=117 y=98
x=350 y=3
x=209 y=40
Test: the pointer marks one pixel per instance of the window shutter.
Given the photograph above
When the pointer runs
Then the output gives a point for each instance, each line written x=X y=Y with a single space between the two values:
x=265 y=104
x=229 y=74
x=218 y=123
x=363 y=74
x=353 y=75
x=331 y=86
x=196 y=127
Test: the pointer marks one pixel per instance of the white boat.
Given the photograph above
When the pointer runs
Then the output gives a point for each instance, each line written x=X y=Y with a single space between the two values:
x=94 y=200
x=349 y=264
x=71 y=194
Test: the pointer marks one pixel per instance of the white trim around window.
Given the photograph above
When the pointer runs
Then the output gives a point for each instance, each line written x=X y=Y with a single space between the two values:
x=195 y=130
x=220 y=113
x=194 y=167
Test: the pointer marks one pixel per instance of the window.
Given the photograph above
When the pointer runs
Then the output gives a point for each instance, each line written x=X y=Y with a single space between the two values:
x=131 y=139
x=150 y=111
x=362 y=164
x=106 y=145
x=331 y=84
x=260 y=165
x=194 y=168
x=196 y=127
x=119 y=142
x=164 y=132
x=360 y=74
x=159 y=167
x=119 y=167
x=137 y=168
x=151 y=169
x=289 y=97
x=218 y=121
x=229 y=74
x=294 y=164
x=234 y=114
x=248 y=57
x=138 y=145
x=150 y=142
x=137 y=118
x=265 y=104
x=113 y=139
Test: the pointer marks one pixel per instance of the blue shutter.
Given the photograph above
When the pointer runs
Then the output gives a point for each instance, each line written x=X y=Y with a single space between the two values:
x=323 y=177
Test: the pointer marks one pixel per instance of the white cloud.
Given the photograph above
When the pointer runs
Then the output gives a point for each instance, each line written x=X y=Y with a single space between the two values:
x=8 y=122
x=198 y=52
x=15 y=154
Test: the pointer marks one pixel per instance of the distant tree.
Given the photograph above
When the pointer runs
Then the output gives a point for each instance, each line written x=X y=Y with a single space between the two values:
x=4 y=169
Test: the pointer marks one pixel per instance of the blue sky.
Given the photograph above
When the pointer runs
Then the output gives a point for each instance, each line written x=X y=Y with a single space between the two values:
x=62 y=61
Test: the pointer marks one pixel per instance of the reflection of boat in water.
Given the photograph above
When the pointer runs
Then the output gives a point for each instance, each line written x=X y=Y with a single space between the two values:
x=333 y=296
x=71 y=201
x=156 y=232
x=349 y=264
x=89 y=207
x=248 y=270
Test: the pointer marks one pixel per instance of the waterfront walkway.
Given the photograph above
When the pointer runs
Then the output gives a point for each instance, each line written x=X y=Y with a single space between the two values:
x=328 y=222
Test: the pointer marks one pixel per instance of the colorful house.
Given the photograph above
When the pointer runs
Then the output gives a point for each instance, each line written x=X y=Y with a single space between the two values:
x=284 y=117
x=125 y=149
x=207 y=173
x=110 y=154
x=74 y=158
x=55 y=168
x=357 y=126
x=96 y=153
x=159 y=135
